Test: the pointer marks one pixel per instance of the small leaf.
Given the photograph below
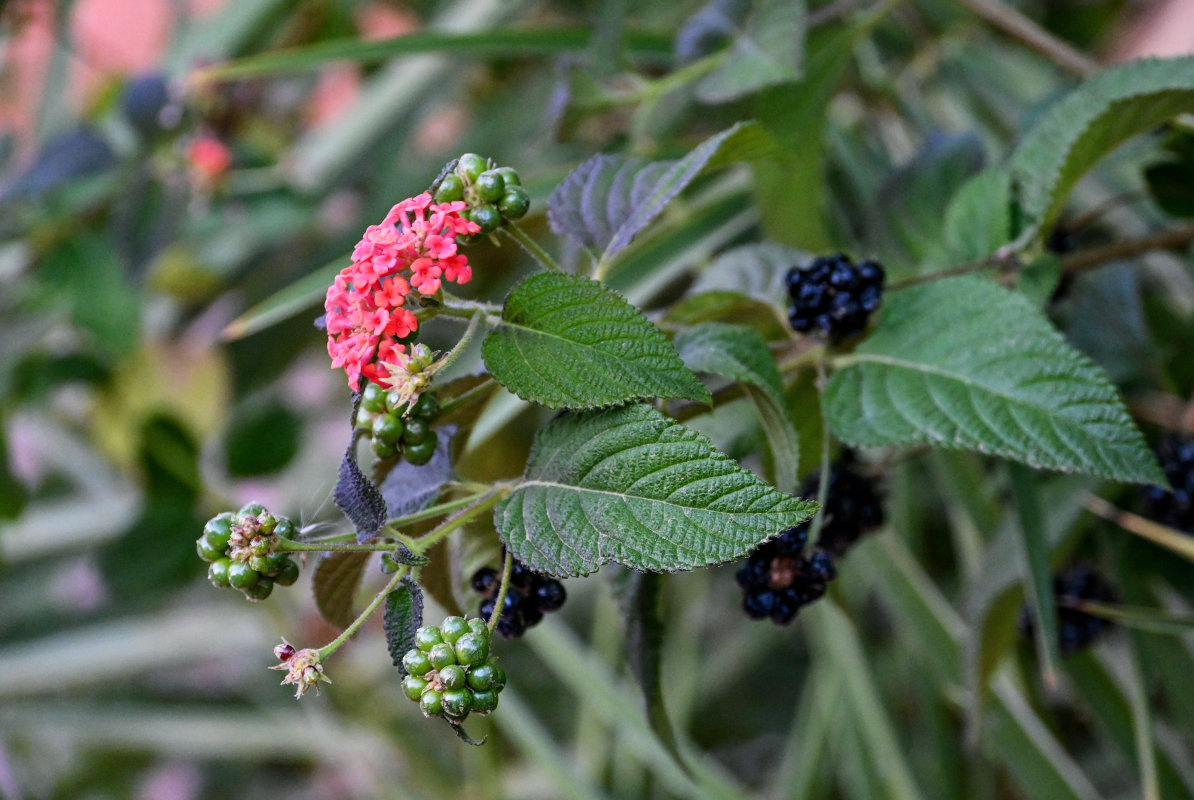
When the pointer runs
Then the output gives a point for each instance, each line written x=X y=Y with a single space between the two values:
x=765 y=52
x=403 y=616
x=355 y=494
x=1090 y=122
x=742 y=355
x=335 y=583
x=963 y=363
x=630 y=485
x=978 y=220
x=606 y=201
x=569 y=342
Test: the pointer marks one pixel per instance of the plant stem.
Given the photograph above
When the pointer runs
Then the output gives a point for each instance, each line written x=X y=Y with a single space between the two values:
x=1161 y=240
x=531 y=246
x=421 y=545
x=814 y=532
x=474 y=324
x=334 y=645
x=1018 y=26
x=466 y=398
x=500 y=600
x=437 y=510
x=288 y=546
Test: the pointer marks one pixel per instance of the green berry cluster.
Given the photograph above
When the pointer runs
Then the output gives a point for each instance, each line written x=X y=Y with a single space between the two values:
x=240 y=546
x=394 y=431
x=492 y=193
x=450 y=671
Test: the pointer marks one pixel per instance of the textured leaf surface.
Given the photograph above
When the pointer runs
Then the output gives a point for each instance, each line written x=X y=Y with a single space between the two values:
x=1093 y=120
x=355 y=494
x=335 y=585
x=569 y=342
x=765 y=51
x=963 y=363
x=403 y=616
x=630 y=485
x=741 y=354
x=606 y=201
x=978 y=220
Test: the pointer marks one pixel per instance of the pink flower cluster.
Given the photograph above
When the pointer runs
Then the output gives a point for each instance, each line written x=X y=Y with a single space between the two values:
x=413 y=247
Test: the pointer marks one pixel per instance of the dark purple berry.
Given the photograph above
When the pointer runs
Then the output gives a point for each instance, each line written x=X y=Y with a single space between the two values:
x=486 y=580
x=834 y=296
x=550 y=595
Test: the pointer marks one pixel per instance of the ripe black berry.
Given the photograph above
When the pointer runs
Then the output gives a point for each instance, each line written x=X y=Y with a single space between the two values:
x=778 y=580
x=1076 y=629
x=833 y=295
x=852 y=507
x=529 y=596
x=1176 y=508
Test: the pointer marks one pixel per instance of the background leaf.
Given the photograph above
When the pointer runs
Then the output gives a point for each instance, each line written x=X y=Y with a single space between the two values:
x=741 y=354
x=964 y=363
x=764 y=52
x=335 y=583
x=569 y=342
x=632 y=486
x=1090 y=122
x=978 y=220
x=403 y=616
x=606 y=201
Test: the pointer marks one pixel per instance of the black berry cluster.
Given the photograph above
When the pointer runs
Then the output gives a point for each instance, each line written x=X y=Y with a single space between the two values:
x=1076 y=629
x=493 y=194
x=395 y=432
x=241 y=549
x=1176 y=508
x=778 y=579
x=834 y=295
x=852 y=506
x=450 y=672
x=529 y=596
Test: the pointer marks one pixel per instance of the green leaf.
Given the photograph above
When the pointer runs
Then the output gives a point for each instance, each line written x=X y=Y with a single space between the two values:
x=741 y=354
x=403 y=616
x=481 y=44
x=963 y=363
x=568 y=342
x=335 y=583
x=978 y=220
x=630 y=485
x=606 y=201
x=765 y=52
x=1090 y=122
x=1037 y=576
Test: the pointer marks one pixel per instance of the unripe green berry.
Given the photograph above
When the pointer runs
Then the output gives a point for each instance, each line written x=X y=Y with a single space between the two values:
x=250 y=510
x=477 y=625
x=415 y=431
x=457 y=703
x=284 y=529
x=431 y=702
x=453 y=628
x=242 y=576
x=450 y=189
x=421 y=453
x=217 y=573
x=364 y=419
x=428 y=637
x=515 y=203
x=470 y=166
x=441 y=655
x=472 y=648
x=373 y=398
x=388 y=428
x=413 y=686
x=485 y=701
x=509 y=176
x=259 y=590
x=484 y=676
x=268 y=564
x=207 y=550
x=218 y=530
x=416 y=663
x=452 y=677
x=395 y=404
x=499 y=675
x=490 y=185
x=288 y=574
x=426 y=407
x=260 y=546
x=383 y=450
x=487 y=217
x=266 y=522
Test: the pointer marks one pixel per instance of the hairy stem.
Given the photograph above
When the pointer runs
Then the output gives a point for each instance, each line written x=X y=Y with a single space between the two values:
x=334 y=645
x=531 y=246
